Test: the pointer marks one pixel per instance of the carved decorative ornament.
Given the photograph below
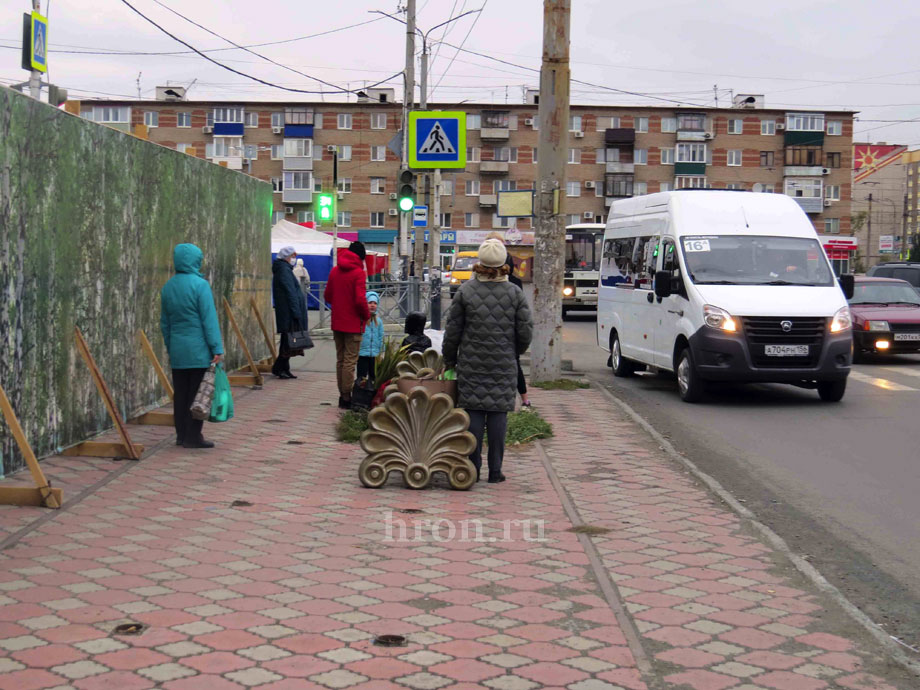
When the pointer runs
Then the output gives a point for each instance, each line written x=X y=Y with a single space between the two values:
x=419 y=365
x=418 y=434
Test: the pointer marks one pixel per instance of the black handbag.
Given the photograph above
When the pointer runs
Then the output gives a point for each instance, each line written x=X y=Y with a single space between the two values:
x=299 y=340
x=363 y=395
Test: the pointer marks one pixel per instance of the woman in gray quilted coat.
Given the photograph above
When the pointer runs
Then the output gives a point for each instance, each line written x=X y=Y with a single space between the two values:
x=489 y=326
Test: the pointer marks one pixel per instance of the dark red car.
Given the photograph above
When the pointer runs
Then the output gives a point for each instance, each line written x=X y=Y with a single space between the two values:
x=886 y=316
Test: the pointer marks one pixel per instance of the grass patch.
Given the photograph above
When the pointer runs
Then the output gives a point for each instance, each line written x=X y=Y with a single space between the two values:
x=561 y=385
x=350 y=427
x=526 y=426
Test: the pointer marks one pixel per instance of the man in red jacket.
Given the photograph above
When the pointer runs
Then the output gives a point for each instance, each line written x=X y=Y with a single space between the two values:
x=346 y=293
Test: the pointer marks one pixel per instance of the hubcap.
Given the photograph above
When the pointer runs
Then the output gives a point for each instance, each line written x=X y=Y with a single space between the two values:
x=616 y=353
x=683 y=374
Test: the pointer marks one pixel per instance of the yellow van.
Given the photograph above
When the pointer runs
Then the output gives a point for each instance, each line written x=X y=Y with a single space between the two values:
x=462 y=269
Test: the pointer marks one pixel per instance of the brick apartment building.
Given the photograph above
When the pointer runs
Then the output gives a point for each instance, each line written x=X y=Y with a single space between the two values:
x=614 y=152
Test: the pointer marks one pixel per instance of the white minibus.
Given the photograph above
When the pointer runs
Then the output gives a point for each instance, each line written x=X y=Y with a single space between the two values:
x=722 y=286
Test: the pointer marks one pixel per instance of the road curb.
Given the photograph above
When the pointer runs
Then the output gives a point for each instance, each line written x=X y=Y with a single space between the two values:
x=891 y=645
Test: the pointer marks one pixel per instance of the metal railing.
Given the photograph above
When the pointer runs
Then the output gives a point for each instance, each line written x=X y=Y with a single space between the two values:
x=397 y=299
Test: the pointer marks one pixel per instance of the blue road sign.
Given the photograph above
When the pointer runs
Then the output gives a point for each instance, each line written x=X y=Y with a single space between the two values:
x=419 y=216
x=447 y=236
x=39 y=53
x=437 y=139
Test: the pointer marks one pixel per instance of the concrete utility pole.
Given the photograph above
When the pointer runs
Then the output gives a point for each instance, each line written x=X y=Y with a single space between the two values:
x=869 y=234
x=419 y=245
x=549 y=244
x=35 y=78
x=408 y=101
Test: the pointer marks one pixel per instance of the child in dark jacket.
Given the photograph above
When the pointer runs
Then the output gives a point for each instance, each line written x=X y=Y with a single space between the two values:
x=416 y=340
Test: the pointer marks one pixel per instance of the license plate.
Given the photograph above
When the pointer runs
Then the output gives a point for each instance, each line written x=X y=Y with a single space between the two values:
x=907 y=336
x=786 y=350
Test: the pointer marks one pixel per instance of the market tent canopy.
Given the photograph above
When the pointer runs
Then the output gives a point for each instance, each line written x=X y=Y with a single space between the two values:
x=304 y=240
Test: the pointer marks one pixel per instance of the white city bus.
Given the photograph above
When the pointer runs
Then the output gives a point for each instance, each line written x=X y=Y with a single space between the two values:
x=582 y=263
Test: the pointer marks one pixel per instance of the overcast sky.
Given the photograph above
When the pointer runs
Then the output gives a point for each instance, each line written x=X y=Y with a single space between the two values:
x=835 y=55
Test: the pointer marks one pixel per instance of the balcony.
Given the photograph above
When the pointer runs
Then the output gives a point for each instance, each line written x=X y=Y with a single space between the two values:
x=803 y=138
x=298 y=163
x=494 y=133
x=803 y=171
x=297 y=196
x=620 y=135
x=298 y=131
x=228 y=129
x=493 y=167
x=693 y=135
x=689 y=168
x=810 y=204
x=617 y=167
x=232 y=162
x=488 y=199
x=618 y=186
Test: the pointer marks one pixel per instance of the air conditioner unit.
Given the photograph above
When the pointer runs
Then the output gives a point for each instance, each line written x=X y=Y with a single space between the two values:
x=207 y=129
x=825 y=171
x=707 y=135
x=579 y=135
x=827 y=202
x=341 y=195
x=331 y=148
x=590 y=184
x=780 y=125
x=289 y=210
x=277 y=130
x=393 y=196
x=529 y=122
x=393 y=212
x=588 y=215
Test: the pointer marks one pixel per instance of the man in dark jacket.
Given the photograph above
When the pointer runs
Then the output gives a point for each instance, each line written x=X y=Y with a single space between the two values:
x=346 y=293
x=290 y=308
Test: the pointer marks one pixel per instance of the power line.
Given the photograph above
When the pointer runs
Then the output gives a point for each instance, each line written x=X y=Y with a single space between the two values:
x=462 y=43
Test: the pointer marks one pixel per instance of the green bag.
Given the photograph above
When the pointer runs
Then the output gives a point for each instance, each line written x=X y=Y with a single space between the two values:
x=222 y=402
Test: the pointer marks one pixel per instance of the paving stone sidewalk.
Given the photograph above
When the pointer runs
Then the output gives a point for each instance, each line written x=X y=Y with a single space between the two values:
x=264 y=563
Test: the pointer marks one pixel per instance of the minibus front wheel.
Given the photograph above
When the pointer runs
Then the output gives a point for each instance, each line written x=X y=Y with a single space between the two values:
x=689 y=383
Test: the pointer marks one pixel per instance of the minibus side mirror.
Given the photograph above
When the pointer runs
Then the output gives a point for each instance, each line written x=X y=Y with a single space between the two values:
x=662 y=283
x=848 y=285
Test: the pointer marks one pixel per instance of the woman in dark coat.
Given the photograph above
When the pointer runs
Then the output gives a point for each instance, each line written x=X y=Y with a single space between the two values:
x=489 y=326
x=290 y=308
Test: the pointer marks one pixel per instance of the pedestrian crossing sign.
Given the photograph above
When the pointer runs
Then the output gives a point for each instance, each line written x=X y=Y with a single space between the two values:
x=39 y=43
x=437 y=139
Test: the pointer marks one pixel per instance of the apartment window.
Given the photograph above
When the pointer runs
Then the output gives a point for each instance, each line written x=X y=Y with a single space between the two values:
x=599 y=188
x=305 y=216
x=234 y=115
x=472 y=187
x=832 y=159
x=447 y=187
x=619 y=185
x=640 y=188
x=600 y=155
x=492 y=119
x=804 y=122
x=607 y=123
x=669 y=124
x=573 y=188
x=209 y=151
x=692 y=122
x=804 y=187
x=503 y=223
x=472 y=154
x=641 y=124
x=765 y=188
x=735 y=126
x=766 y=159
x=378 y=153
x=691 y=153
x=666 y=187
x=575 y=123
x=112 y=114
x=251 y=152
x=734 y=185
x=803 y=155
x=574 y=156
x=298 y=180
x=299 y=115
x=252 y=119
x=690 y=182
x=277 y=216
x=317 y=185
x=378 y=120
x=277 y=184
x=278 y=119
x=832 y=192
x=613 y=155
x=378 y=219
x=667 y=156
x=378 y=185
x=832 y=226
x=572 y=219
x=640 y=157
x=734 y=157
x=344 y=121
x=834 y=128
x=344 y=219
x=768 y=127
x=471 y=220
x=507 y=154
x=345 y=185
x=277 y=152
x=152 y=118
x=183 y=119
x=344 y=152
x=473 y=121
x=445 y=220
x=536 y=155
x=224 y=147
x=298 y=147
x=182 y=148
x=504 y=186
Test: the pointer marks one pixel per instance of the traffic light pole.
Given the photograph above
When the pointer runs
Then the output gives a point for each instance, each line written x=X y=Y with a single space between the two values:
x=335 y=207
x=35 y=77
x=408 y=100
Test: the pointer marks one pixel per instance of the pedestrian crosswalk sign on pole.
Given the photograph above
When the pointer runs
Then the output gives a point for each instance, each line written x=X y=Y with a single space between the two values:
x=437 y=139
x=39 y=43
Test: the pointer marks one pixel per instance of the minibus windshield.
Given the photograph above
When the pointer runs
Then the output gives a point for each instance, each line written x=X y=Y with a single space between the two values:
x=464 y=263
x=755 y=260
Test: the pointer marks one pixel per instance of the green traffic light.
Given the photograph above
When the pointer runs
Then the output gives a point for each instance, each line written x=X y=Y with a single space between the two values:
x=406 y=204
x=326 y=206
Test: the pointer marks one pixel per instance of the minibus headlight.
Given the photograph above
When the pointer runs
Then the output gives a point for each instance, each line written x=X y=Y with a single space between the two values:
x=877 y=326
x=454 y=281
x=568 y=291
x=717 y=318
x=842 y=320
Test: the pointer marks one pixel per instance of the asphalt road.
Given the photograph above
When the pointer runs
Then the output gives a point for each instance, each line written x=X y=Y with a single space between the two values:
x=839 y=482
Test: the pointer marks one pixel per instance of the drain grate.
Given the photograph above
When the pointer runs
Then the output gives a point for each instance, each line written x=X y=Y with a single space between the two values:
x=129 y=629
x=588 y=529
x=295 y=443
x=240 y=504
x=390 y=641
x=410 y=511
x=275 y=421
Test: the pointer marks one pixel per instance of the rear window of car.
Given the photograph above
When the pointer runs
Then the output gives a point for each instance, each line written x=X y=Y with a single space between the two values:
x=882 y=272
x=911 y=275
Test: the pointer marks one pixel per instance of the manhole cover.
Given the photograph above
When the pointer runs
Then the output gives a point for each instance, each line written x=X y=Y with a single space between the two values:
x=390 y=641
x=129 y=629
x=411 y=511
x=240 y=504
x=588 y=529
x=295 y=443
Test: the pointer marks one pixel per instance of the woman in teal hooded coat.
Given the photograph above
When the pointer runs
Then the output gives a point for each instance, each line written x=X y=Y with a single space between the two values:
x=188 y=320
